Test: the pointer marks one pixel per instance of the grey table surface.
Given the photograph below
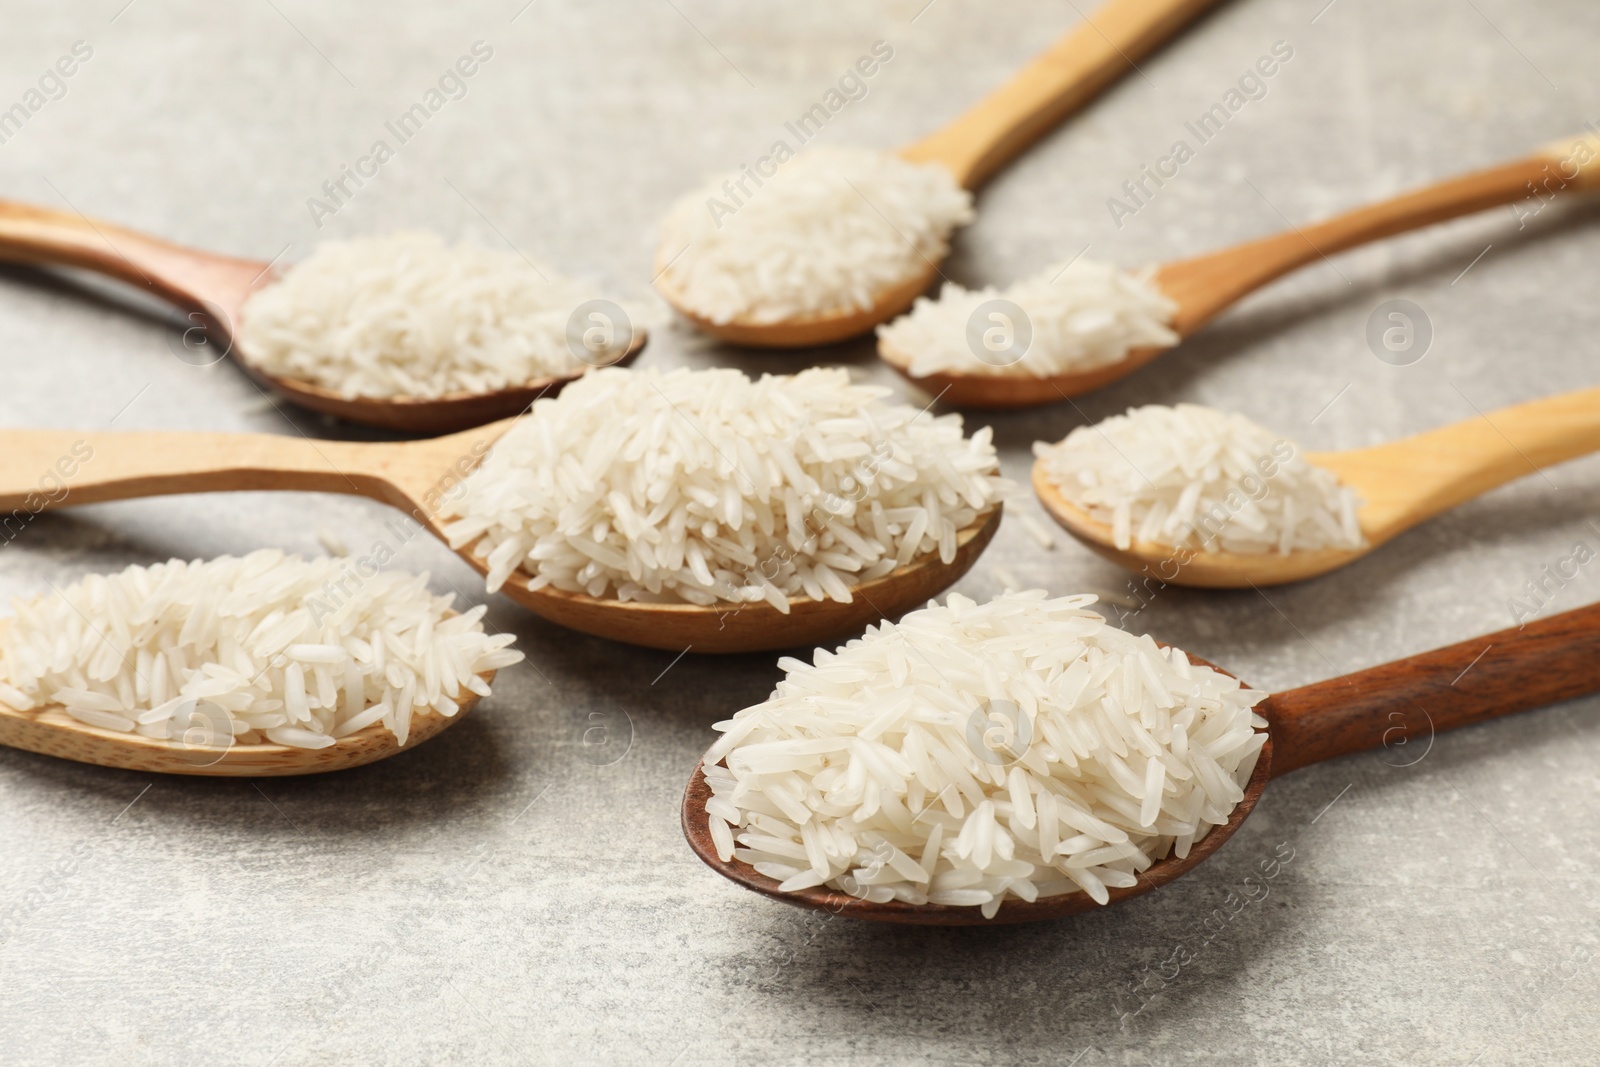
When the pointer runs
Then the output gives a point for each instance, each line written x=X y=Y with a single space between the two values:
x=518 y=890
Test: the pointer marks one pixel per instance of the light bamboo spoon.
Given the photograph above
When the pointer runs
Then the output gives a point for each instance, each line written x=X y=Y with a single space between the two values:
x=1395 y=706
x=1100 y=49
x=208 y=749
x=414 y=476
x=1208 y=285
x=1401 y=484
x=211 y=290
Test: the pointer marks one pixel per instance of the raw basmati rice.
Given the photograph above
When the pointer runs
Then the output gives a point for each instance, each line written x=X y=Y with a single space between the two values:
x=1079 y=316
x=831 y=229
x=295 y=652
x=706 y=487
x=973 y=753
x=1194 y=477
x=407 y=315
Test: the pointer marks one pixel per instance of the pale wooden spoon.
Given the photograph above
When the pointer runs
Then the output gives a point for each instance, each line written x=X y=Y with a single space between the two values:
x=1395 y=706
x=1100 y=49
x=211 y=289
x=1208 y=285
x=1401 y=484
x=415 y=476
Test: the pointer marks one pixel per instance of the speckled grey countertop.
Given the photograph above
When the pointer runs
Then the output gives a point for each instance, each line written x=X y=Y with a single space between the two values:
x=452 y=905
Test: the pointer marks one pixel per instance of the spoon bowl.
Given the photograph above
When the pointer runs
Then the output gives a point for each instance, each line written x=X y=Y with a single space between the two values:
x=416 y=477
x=1410 y=700
x=211 y=290
x=1400 y=484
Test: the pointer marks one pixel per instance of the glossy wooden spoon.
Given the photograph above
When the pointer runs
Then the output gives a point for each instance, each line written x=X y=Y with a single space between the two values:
x=211 y=290
x=209 y=749
x=1398 y=706
x=416 y=476
x=1102 y=48
x=1401 y=484
x=1208 y=285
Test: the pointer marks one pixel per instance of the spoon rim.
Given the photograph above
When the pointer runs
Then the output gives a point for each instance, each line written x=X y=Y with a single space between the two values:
x=695 y=823
x=1002 y=391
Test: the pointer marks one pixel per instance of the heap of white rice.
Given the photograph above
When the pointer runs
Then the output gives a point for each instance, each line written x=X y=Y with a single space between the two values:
x=1194 y=477
x=828 y=232
x=1020 y=748
x=706 y=487
x=296 y=652
x=407 y=315
x=1082 y=315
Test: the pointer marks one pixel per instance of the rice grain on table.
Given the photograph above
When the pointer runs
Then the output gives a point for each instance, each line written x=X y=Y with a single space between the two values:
x=1080 y=316
x=707 y=487
x=974 y=753
x=295 y=652
x=827 y=232
x=405 y=315
x=1195 y=477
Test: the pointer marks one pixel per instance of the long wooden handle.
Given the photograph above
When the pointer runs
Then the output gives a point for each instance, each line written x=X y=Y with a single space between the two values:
x=1204 y=286
x=47 y=469
x=185 y=277
x=1099 y=50
x=1401 y=705
x=1408 y=481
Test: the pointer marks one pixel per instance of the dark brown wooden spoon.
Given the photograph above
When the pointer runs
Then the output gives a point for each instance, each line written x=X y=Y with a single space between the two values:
x=211 y=289
x=1542 y=662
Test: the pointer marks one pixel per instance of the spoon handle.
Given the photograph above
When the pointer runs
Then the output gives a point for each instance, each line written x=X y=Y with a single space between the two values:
x=1204 y=286
x=181 y=276
x=46 y=469
x=1405 y=482
x=1401 y=705
x=1103 y=47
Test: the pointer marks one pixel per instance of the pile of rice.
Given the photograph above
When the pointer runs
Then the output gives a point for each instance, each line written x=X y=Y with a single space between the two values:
x=1194 y=477
x=407 y=315
x=1082 y=315
x=828 y=232
x=296 y=652
x=706 y=487
x=1020 y=748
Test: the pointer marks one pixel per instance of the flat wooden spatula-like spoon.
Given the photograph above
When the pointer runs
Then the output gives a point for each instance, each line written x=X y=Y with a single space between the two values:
x=1102 y=48
x=415 y=476
x=1208 y=285
x=1401 y=484
x=212 y=290
x=1400 y=703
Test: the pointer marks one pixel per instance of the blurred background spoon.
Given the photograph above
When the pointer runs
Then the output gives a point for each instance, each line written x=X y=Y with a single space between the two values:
x=1101 y=48
x=1208 y=285
x=211 y=289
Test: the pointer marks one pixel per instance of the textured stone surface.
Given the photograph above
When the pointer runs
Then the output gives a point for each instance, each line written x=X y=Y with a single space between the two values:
x=451 y=905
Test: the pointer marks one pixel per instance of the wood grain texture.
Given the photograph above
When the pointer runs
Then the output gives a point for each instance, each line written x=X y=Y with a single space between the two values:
x=1401 y=484
x=696 y=830
x=213 y=289
x=413 y=477
x=1206 y=286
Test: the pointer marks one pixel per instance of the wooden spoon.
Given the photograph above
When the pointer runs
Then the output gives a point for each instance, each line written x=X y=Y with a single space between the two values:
x=415 y=476
x=1206 y=286
x=1100 y=49
x=211 y=290
x=1392 y=706
x=1401 y=484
